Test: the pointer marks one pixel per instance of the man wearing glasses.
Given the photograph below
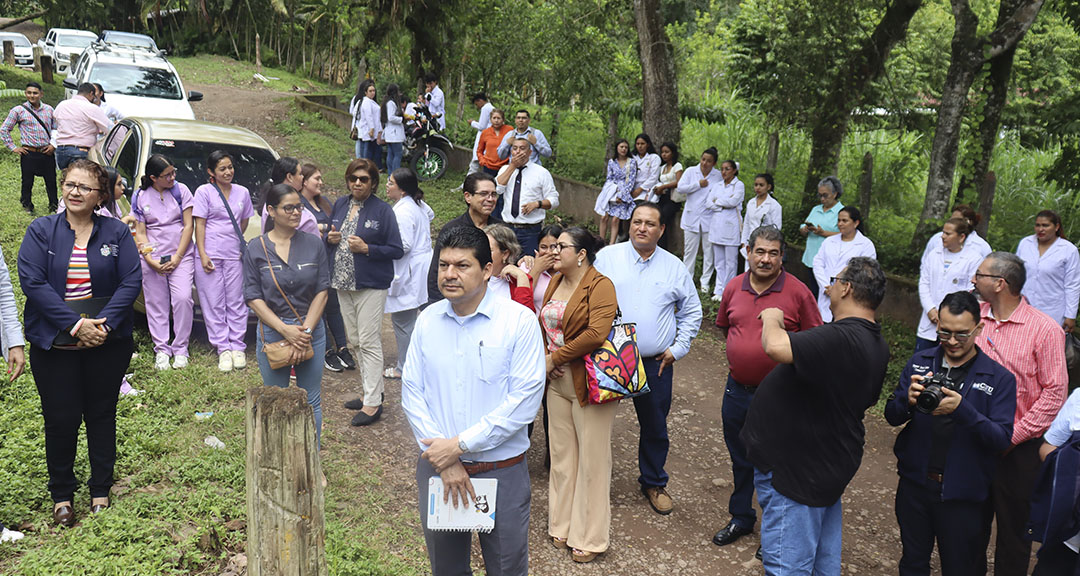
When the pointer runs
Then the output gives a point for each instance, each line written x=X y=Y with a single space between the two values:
x=1031 y=346
x=804 y=432
x=947 y=452
x=480 y=198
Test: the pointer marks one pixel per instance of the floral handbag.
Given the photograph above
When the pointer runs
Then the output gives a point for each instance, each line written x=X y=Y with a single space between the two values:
x=615 y=370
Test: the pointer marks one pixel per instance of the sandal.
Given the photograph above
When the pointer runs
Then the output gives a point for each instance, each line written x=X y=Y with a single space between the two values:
x=582 y=557
x=392 y=373
x=559 y=543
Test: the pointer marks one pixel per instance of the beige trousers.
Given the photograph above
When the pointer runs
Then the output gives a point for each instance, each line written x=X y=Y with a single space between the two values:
x=362 y=311
x=579 y=485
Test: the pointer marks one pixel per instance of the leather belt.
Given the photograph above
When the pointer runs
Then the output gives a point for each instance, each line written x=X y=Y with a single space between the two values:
x=38 y=149
x=474 y=468
x=935 y=476
x=83 y=148
x=521 y=226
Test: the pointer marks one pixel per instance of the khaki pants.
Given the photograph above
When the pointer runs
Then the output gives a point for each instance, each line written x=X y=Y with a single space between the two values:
x=362 y=311
x=579 y=485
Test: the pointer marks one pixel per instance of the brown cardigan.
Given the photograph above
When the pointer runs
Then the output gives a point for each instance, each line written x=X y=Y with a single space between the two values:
x=586 y=324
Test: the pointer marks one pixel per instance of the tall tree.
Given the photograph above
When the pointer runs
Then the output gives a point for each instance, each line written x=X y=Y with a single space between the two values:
x=660 y=95
x=970 y=51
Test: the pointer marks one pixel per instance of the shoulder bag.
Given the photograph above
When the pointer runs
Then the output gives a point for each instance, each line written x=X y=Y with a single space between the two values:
x=235 y=225
x=615 y=370
x=278 y=353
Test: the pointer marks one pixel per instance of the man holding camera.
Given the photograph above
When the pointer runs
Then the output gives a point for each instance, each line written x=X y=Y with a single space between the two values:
x=958 y=404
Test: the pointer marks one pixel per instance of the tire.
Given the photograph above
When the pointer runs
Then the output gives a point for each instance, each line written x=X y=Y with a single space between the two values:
x=429 y=167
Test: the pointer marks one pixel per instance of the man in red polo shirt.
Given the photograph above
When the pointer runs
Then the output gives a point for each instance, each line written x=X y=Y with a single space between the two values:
x=765 y=285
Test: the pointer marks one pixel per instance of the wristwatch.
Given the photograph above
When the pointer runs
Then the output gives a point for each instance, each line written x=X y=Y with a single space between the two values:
x=307 y=330
x=461 y=446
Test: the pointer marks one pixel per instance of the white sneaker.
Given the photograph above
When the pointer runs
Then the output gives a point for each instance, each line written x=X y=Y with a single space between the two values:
x=10 y=536
x=239 y=361
x=717 y=297
x=225 y=361
x=161 y=361
x=179 y=362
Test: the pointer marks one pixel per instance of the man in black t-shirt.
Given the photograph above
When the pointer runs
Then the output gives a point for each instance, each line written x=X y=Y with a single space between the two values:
x=804 y=431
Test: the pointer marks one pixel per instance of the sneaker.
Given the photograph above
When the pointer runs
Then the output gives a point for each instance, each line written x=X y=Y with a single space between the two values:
x=9 y=535
x=126 y=389
x=346 y=359
x=717 y=297
x=658 y=499
x=161 y=361
x=179 y=362
x=239 y=360
x=333 y=363
x=225 y=363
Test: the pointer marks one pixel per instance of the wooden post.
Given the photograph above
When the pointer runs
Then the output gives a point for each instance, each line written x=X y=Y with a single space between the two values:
x=866 y=183
x=73 y=61
x=37 y=58
x=258 y=54
x=9 y=53
x=987 y=188
x=46 y=69
x=286 y=534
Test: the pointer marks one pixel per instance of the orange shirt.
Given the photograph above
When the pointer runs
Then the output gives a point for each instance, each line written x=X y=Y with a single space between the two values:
x=487 y=151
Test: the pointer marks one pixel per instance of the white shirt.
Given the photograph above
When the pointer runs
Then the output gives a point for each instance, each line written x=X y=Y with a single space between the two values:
x=500 y=288
x=479 y=377
x=694 y=218
x=722 y=205
x=485 y=117
x=540 y=149
x=394 y=131
x=1053 y=279
x=648 y=175
x=437 y=105
x=770 y=213
x=408 y=290
x=831 y=260
x=536 y=185
x=936 y=281
x=668 y=177
x=973 y=243
x=111 y=112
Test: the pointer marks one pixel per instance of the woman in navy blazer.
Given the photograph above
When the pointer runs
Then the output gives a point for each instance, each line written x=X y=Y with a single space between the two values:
x=78 y=362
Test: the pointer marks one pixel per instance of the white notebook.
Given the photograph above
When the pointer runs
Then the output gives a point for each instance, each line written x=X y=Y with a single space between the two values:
x=478 y=516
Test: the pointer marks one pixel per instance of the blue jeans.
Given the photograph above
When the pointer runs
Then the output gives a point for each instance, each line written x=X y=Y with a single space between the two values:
x=333 y=320
x=652 y=412
x=923 y=343
x=393 y=156
x=67 y=154
x=359 y=149
x=529 y=238
x=796 y=538
x=308 y=373
x=733 y=414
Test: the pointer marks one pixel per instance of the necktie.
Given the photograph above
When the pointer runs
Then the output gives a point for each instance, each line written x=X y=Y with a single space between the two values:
x=515 y=205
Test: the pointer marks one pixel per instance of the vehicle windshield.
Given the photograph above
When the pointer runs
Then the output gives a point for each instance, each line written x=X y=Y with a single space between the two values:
x=253 y=165
x=18 y=40
x=132 y=80
x=74 y=41
x=137 y=40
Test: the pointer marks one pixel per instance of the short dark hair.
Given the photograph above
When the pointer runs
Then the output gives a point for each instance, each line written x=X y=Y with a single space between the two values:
x=469 y=186
x=1011 y=268
x=96 y=171
x=959 y=302
x=431 y=77
x=867 y=281
x=553 y=230
x=469 y=238
x=273 y=198
x=525 y=112
x=768 y=233
x=479 y=96
x=33 y=85
x=585 y=240
x=87 y=88
x=652 y=205
x=711 y=151
x=216 y=157
x=366 y=165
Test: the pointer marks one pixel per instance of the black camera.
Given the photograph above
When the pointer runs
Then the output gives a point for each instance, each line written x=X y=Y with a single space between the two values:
x=932 y=393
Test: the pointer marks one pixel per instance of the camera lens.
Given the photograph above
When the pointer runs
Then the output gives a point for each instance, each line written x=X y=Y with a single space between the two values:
x=929 y=399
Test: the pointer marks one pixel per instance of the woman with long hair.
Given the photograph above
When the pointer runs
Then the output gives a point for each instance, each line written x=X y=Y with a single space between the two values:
x=393 y=122
x=162 y=209
x=408 y=290
x=367 y=120
x=221 y=210
x=287 y=170
x=1053 y=270
x=616 y=200
x=837 y=250
x=648 y=168
x=761 y=210
x=669 y=201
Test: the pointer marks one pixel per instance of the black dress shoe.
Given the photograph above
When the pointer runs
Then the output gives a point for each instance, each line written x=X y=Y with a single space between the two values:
x=64 y=516
x=758 y=553
x=365 y=419
x=729 y=534
x=355 y=403
x=95 y=508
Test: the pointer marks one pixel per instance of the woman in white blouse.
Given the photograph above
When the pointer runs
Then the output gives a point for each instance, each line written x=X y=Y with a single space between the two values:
x=837 y=250
x=408 y=290
x=1053 y=270
x=761 y=210
x=671 y=170
x=366 y=121
x=725 y=224
x=974 y=242
x=947 y=267
x=694 y=186
x=648 y=168
x=393 y=122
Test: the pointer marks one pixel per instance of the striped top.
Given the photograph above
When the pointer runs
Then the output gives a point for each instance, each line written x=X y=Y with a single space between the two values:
x=78 y=276
x=1031 y=346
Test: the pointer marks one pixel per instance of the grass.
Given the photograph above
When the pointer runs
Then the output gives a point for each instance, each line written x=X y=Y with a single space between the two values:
x=222 y=70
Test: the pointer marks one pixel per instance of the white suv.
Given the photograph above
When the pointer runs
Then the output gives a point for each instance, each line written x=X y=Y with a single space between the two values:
x=136 y=82
x=60 y=43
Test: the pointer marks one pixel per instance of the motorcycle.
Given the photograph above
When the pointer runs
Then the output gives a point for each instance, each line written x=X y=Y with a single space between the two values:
x=426 y=149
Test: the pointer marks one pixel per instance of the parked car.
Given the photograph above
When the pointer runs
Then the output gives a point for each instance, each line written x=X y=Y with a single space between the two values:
x=61 y=43
x=186 y=143
x=24 y=50
x=129 y=39
x=138 y=83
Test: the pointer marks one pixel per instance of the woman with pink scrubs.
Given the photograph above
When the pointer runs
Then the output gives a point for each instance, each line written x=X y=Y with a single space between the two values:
x=287 y=170
x=219 y=276
x=162 y=209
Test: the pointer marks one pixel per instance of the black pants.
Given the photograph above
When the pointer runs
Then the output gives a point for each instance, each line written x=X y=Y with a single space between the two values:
x=1056 y=560
x=1010 y=504
x=923 y=517
x=78 y=385
x=33 y=164
x=668 y=210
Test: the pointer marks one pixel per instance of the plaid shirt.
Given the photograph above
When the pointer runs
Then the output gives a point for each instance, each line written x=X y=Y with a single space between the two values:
x=30 y=129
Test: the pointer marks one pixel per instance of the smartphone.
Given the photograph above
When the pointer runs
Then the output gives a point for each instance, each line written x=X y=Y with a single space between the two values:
x=164 y=259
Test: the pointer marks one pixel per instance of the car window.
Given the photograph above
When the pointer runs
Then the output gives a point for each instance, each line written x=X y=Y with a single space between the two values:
x=137 y=40
x=136 y=81
x=75 y=41
x=19 y=40
x=114 y=139
x=127 y=161
x=253 y=165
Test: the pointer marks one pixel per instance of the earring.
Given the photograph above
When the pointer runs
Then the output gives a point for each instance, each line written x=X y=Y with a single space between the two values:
x=579 y=263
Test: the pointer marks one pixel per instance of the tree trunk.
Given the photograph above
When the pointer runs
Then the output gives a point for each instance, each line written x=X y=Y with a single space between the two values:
x=986 y=202
x=774 y=152
x=461 y=93
x=660 y=96
x=285 y=505
x=825 y=142
x=22 y=19
x=612 y=133
x=866 y=184
x=969 y=52
x=9 y=53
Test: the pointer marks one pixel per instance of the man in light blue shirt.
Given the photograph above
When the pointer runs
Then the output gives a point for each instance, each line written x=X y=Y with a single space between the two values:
x=472 y=382
x=656 y=292
x=536 y=138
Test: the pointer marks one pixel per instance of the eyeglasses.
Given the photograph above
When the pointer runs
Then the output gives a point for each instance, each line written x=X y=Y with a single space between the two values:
x=560 y=246
x=981 y=275
x=83 y=188
x=361 y=179
x=290 y=208
x=167 y=175
x=485 y=194
x=835 y=279
x=960 y=336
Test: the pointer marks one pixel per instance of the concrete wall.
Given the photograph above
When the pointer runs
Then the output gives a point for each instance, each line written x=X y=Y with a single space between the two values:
x=576 y=199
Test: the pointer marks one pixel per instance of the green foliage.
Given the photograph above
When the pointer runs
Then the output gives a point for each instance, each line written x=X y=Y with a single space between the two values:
x=901 y=341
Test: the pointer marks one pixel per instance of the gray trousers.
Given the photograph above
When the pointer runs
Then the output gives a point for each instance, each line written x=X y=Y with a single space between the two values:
x=505 y=549
x=403 y=322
